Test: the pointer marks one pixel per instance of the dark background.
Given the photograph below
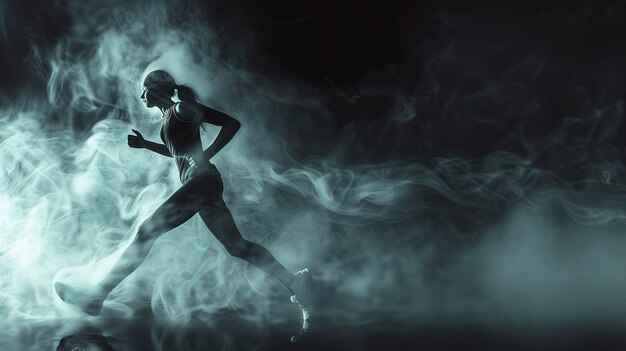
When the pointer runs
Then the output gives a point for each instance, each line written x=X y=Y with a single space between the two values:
x=567 y=56
x=495 y=99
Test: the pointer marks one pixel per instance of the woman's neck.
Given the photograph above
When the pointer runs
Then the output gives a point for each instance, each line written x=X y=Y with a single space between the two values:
x=166 y=105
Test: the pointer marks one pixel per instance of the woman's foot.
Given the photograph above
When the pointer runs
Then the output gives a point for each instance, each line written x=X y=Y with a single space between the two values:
x=303 y=329
x=88 y=302
x=301 y=289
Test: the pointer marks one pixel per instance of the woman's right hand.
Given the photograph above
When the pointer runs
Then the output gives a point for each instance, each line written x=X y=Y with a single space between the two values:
x=137 y=140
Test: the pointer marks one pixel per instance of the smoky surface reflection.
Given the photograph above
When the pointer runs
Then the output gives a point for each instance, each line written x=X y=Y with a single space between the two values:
x=84 y=342
x=235 y=334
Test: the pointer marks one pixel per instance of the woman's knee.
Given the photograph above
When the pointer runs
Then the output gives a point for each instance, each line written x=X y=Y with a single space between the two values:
x=241 y=248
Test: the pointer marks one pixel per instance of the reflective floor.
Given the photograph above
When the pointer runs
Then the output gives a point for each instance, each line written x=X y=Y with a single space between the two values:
x=326 y=333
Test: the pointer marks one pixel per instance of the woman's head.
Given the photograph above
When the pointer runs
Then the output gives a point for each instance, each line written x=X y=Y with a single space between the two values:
x=159 y=86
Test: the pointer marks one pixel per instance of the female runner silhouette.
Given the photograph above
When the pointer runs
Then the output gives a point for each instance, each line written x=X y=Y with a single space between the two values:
x=200 y=193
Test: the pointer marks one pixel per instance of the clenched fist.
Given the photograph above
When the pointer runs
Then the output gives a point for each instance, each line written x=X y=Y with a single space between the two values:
x=137 y=140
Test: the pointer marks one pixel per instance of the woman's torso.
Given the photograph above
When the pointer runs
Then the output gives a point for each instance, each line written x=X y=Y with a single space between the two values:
x=182 y=139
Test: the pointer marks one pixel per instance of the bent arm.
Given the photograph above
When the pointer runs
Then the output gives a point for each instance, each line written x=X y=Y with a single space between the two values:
x=225 y=135
x=205 y=114
x=158 y=148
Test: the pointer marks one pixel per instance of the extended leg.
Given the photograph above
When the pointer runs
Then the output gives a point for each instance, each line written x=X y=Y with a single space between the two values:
x=176 y=210
x=172 y=213
x=219 y=220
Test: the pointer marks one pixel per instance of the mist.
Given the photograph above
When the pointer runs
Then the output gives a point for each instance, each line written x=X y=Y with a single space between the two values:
x=479 y=179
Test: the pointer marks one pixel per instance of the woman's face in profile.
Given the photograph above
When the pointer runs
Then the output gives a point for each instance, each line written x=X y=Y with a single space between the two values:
x=147 y=97
x=154 y=97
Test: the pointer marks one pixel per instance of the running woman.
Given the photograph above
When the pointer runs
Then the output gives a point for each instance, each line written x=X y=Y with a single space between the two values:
x=201 y=192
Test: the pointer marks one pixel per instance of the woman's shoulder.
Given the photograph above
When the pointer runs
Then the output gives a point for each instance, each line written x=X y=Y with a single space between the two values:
x=187 y=112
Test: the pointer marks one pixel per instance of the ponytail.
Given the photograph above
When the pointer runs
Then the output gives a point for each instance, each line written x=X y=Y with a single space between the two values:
x=186 y=94
x=189 y=95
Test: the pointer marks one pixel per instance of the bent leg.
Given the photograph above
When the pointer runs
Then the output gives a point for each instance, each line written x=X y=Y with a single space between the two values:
x=217 y=217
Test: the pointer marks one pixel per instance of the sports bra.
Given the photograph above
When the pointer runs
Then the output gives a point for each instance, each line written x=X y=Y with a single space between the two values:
x=182 y=139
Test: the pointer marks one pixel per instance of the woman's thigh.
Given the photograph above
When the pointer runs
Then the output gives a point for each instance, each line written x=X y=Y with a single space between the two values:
x=181 y=206
x=218 y=219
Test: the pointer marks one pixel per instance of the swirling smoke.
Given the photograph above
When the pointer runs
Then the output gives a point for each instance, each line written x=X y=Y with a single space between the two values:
x=397 y=213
